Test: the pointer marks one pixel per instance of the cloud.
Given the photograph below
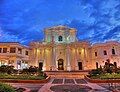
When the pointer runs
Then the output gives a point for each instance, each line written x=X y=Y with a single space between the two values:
x=112 y=33
x=24 y=20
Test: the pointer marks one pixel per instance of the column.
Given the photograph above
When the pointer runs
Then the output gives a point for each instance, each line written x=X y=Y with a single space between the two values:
x=76 y=62
x=53 y=62
x=16 y=50
x=15 y=63
x=44 y=62
x=54 y=59
x=36 y=63
x=68 y=58
x=84 y=59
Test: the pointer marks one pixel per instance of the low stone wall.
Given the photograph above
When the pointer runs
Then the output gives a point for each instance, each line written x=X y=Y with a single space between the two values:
x=66 y=74
x=102 y=80
x=25 y=81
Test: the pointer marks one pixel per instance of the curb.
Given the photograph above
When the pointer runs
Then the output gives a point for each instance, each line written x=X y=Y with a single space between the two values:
x=25 y=81
x=102 y=80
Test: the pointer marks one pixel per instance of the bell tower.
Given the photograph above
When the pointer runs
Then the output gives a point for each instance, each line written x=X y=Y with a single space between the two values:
x=60 y=34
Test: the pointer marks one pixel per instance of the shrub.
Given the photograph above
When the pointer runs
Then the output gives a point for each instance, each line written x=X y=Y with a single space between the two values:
x=118 y=70
x=7 y=69
x=33 y=69
x=6 y=88
x=30 y=70
x=25 y=71
x=95 y=72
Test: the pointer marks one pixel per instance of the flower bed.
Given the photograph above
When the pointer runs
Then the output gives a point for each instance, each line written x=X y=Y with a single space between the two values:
x=93 y=80
x=25 y=81
x=106 y=76
x=23 y=78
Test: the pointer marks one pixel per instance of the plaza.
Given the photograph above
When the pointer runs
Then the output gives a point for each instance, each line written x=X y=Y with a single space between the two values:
x=67 y=84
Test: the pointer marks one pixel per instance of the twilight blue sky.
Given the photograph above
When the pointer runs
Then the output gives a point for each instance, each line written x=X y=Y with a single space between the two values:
x=24 y=20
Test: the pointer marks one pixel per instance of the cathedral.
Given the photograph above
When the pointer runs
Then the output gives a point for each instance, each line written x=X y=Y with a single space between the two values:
x=60 y=51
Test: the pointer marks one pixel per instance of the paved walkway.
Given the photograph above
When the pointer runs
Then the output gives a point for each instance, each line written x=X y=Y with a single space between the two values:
x=53 y=82
x=33 y=87
x=62 y=81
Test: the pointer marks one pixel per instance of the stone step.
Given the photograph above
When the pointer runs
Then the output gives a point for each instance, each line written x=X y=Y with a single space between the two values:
x=66 y=74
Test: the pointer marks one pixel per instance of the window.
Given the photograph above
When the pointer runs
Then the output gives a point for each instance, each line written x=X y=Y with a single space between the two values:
x=113 y=51
x=60 y=38
x=115 y=64
x=4 y=50
x=19 y=51
x=0 y=50
x=26 y=52
x=96 y=65
x=105 y=52
x=95 y=53
x=12 y=50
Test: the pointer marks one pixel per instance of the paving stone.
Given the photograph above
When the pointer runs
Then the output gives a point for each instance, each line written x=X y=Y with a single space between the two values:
x=33 y=87
x=80 y=81
x=69 y=81
x=110 y=87
x=57 y=81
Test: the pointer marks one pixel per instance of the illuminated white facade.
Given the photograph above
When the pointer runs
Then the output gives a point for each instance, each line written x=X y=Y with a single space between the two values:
x=103 y=52
x=13 y=53
x=61 y=50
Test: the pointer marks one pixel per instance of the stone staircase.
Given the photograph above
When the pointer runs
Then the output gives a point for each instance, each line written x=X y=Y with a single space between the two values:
x=67 y=74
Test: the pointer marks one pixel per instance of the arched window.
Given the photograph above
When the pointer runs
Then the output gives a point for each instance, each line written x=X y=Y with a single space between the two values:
x=60 y=38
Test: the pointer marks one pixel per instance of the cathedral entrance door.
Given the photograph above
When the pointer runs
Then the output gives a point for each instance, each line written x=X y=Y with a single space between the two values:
x=40 y=65
x=80 y=65
x=60 y=64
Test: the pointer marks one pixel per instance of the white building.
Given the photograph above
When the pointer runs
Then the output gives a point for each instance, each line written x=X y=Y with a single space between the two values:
x=60 y=50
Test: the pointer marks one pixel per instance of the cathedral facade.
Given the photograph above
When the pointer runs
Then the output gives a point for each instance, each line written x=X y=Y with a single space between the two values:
x=60 y=50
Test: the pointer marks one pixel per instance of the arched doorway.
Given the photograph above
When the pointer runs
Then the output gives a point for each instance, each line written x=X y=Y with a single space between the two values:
x=40 y=66
x=60 y=64
x=80 y=65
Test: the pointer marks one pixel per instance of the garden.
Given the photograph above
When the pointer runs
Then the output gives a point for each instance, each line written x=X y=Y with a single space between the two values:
x=31 y=73
x=108 y=74
x=9 y=74
x=108 y=71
